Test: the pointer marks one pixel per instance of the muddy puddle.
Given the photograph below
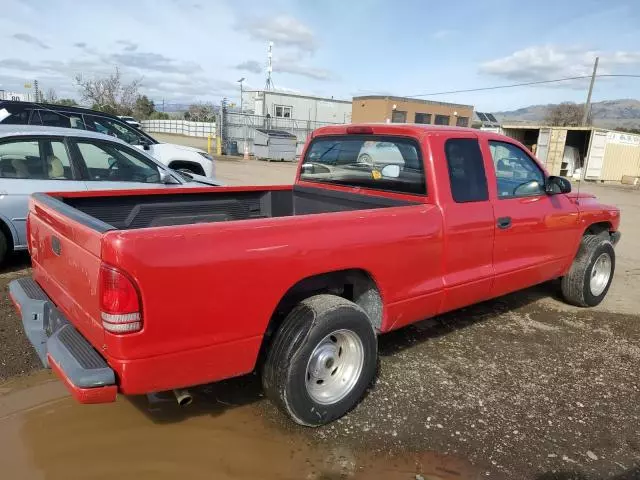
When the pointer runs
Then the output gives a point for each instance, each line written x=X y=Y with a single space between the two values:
x=44 y=434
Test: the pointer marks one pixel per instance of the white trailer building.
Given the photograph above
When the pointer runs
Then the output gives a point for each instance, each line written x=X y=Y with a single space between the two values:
x=297 y=107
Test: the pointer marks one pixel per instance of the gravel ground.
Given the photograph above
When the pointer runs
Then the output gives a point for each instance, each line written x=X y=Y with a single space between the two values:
x=17 y=356
x=519 y=390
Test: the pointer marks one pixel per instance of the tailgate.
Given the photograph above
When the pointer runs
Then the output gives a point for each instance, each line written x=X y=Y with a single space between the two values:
x=65 y=249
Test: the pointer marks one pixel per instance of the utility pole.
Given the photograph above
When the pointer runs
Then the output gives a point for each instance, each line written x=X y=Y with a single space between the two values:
x=587 y=106
x=241 y=91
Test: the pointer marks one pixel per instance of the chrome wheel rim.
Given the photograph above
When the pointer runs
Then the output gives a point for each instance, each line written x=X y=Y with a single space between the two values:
x=600 y=274
x=334 y=367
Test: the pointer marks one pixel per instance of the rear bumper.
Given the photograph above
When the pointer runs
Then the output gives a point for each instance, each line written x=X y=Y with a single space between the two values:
x=61 y=346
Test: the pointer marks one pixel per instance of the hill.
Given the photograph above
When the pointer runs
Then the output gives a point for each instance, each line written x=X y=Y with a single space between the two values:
x=609 y=114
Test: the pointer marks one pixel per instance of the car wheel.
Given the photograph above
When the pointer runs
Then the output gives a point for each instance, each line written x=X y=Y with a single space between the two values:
x=321 y=361
x=591 y=273
x=4 y=247
x=365 y=158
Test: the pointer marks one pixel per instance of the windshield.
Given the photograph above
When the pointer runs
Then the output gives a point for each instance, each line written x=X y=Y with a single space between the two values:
x=380 y=163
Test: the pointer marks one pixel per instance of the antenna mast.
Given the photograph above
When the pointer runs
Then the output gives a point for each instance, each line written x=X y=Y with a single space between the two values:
x=269 y=84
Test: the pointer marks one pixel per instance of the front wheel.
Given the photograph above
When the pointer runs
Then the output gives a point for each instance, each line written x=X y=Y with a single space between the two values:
x=322 y=359
x=591 y=273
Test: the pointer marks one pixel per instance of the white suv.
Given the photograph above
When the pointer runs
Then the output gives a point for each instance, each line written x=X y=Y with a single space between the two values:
x=178 y=157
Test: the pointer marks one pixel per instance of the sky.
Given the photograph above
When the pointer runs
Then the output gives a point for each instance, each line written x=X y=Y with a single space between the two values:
x=186 y=51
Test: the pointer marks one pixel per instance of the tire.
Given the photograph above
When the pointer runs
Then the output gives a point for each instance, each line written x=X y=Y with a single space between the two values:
x=324 y=338
x=4 y=248
x=596 y=254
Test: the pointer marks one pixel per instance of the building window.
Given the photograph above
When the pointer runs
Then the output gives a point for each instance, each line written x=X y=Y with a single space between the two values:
x=462 y=121
x=398 y=116
x=282 y=111
x=422 y=118
x=442 y=120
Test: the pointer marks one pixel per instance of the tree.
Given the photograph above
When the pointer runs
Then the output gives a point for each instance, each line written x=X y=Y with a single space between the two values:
x=109 y=94
x=51 y=96
x=566 y=114
x=201 y=112
x=67 y=102
x=159 y=116
x=143 y=108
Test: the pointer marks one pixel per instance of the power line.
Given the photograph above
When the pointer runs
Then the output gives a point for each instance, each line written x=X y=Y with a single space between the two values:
x=514 y=85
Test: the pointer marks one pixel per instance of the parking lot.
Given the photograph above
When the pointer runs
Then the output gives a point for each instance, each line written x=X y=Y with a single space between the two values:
x=523 y=386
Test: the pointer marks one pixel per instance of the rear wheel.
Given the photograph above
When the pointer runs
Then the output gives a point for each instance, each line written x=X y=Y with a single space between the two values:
x=591 y=273
x=4 y=247
x=321 y=361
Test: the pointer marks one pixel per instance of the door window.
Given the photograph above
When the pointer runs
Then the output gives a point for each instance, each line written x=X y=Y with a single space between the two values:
x=111 y=162
x=466 y=170
x=113 y=128
x=36 y=160
x=50 y=118
x=517 y=174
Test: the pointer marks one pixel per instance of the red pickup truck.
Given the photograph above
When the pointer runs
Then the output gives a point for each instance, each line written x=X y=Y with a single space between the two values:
x=144 y=291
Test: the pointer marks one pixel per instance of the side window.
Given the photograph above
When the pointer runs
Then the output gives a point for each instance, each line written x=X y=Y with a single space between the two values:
x=14 y=115
x=57 y=161
x=111 y=162
x=466 y=170
x=36 y=160
x=20 y=160
x=113 y=128
x=517 y=174
x=58 y=119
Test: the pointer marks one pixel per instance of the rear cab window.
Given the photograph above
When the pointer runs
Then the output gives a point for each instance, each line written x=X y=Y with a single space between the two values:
x=385 y=163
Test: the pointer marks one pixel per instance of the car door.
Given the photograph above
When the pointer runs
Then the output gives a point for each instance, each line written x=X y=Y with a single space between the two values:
x=468 y=218
x=531 y=227
x=29 y=165
x=111 y=165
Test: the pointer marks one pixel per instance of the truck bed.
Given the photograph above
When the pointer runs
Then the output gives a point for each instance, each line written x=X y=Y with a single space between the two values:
x=126 y=212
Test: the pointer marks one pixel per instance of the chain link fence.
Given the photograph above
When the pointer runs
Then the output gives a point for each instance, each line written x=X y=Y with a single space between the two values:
x=236 y=128
x=241 y=128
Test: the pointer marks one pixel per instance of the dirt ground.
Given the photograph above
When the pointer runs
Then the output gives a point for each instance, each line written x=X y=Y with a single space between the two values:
x=522 y=387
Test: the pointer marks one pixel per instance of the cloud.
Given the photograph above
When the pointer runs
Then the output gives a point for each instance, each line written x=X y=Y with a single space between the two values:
x=155 y=62
x=443 y=34
x=282 y=30
x=128 y=45
x=548 y=62
x=26 y=38
x=303 y=71
x=250 y=66
x=80 y=45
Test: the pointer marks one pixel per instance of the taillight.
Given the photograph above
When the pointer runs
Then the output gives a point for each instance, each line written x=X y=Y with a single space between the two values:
x=119 y=302
x=360 y=129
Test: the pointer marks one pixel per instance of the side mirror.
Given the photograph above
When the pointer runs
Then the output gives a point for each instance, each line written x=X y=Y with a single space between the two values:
x=391 y=171
x=557 y=185
x=145 y=143
x=167 y=178
x=532 y=187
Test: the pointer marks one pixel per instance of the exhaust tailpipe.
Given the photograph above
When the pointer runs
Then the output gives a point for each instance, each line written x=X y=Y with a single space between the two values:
x=183 y=397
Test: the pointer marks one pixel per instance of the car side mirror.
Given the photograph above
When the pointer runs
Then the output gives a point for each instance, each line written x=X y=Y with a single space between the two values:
x=167 y=178
x=145 y=143
x=391 y=171
x=557 y=185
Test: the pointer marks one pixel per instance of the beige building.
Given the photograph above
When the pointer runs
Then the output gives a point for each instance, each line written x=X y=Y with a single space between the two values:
x=379 y=108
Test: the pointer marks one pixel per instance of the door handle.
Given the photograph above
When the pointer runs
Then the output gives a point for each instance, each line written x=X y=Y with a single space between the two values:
x=504 y=222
